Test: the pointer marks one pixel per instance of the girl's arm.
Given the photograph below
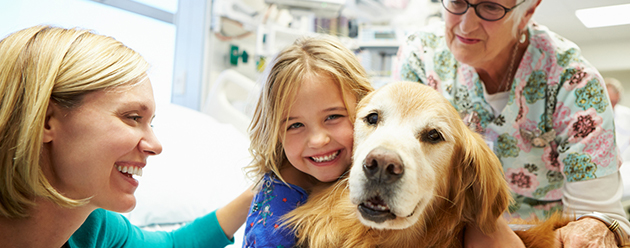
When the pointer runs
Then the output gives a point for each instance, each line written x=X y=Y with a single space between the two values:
x=503 y=237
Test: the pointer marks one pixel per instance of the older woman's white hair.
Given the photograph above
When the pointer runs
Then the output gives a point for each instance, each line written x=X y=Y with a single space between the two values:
x=519 y=13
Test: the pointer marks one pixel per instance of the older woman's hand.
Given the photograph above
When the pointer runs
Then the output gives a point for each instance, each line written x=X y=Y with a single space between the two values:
x=586 y=232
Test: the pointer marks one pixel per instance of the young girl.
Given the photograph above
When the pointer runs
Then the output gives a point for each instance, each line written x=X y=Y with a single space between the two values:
x=301 y=132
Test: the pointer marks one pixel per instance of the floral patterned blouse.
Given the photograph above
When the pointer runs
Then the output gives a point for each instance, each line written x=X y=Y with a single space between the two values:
x=557 y=126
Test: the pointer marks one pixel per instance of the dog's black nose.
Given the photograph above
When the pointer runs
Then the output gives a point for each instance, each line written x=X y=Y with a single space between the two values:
x=383 y=166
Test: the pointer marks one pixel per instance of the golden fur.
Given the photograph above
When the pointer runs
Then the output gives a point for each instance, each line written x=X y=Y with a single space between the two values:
x=445 y=181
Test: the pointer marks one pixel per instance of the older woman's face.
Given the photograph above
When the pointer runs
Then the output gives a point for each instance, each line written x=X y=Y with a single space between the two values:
x=477 y=42
x=90 y=145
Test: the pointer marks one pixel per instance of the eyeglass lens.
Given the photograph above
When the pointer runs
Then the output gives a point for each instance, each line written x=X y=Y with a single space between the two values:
x=486 y=10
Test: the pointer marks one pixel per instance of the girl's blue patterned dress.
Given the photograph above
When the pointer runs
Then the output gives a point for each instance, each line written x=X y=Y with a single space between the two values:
x=276 y=198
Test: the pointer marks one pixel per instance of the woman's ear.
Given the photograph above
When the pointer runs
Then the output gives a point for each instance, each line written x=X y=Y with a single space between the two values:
x=528 y=15
x=50 y=122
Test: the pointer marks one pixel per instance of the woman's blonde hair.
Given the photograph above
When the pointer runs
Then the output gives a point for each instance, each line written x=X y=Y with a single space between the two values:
x=40 y=65
x=306 y=57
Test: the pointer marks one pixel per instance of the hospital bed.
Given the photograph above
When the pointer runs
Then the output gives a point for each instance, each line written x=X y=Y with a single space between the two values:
x=232 y=99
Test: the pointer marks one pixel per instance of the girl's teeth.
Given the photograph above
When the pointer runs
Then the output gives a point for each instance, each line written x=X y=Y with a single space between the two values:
x=130 y=170
x=325 y=158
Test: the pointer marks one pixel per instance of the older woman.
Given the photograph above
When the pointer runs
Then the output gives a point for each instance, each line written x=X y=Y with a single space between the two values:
x=75 y=128
x=541 y=106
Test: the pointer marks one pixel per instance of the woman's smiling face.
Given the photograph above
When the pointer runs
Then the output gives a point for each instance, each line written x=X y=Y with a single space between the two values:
x=86 y=148
x=477 y=42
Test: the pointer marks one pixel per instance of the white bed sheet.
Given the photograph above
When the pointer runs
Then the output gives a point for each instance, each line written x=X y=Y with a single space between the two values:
x=199 y=170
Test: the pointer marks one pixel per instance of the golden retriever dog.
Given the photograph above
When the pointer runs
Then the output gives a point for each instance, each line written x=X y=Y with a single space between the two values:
x=419 y=176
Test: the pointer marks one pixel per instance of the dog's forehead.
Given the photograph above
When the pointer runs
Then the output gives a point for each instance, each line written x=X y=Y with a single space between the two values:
x=408 y=103
x=407 y=98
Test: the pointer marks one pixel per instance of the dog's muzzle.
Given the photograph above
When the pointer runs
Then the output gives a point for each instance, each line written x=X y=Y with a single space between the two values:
x=382 y=168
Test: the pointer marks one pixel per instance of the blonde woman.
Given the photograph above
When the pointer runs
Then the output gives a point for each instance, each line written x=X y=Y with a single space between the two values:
x=75 y=127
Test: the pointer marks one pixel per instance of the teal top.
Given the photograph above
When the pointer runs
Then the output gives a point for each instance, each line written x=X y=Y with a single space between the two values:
x=109 y=229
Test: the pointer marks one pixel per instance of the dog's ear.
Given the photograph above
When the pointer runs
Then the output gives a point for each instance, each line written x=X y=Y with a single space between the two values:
x=486 y=192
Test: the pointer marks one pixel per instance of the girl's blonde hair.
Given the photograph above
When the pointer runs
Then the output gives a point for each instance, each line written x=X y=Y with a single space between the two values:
x=40 y=65
x=306 y=57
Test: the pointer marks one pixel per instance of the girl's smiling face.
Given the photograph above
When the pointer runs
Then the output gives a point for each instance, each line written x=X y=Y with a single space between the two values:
x=318 y=133
x=87 y=149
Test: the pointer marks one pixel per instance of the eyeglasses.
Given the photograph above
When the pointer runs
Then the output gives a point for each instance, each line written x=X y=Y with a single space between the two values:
x=488 y=11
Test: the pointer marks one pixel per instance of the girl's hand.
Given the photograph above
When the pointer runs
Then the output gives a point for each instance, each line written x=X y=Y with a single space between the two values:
x=232 y=216
x=503 y=237
x=586 y=232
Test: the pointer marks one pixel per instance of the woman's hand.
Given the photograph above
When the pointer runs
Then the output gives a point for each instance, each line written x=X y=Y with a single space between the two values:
x=503 y=237
x=232 y=216
x=586 y=232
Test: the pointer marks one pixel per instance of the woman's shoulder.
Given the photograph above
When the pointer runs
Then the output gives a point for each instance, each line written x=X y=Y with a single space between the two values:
x=102 y=227
x=428 y=36
x=549 y=41
x=565 y=55
x=423 y=51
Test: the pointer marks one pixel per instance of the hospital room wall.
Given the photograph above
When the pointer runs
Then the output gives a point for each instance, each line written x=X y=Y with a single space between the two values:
x=219 y=61
x=154 y=39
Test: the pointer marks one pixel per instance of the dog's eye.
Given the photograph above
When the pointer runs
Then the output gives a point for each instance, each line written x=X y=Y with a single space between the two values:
x=371 y=119
x=432 y=136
